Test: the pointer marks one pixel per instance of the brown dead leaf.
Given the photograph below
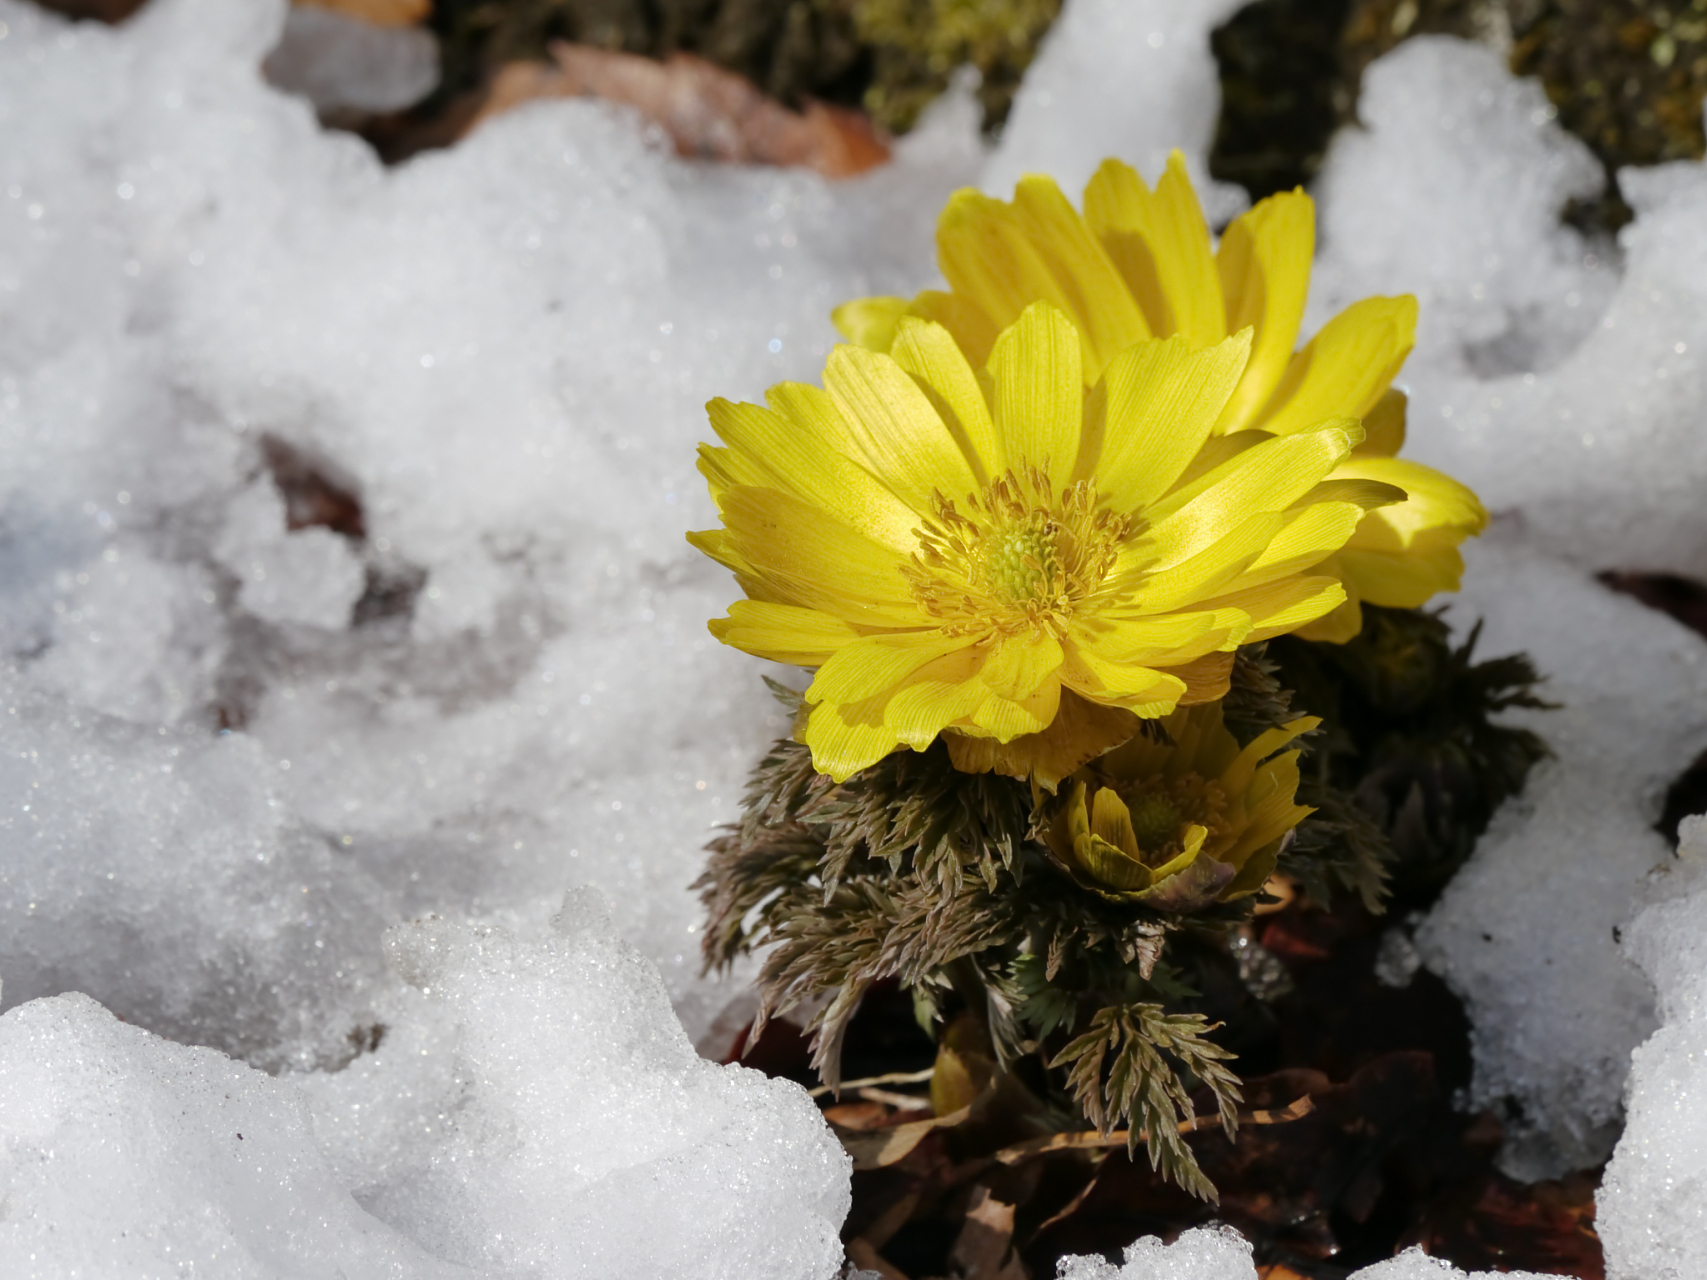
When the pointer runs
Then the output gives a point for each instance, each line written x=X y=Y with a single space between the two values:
x=887 y=1146
x=707 y=112
x=382 y=13
x=1489 y=1223
x=984 y=1249
x=859 y=1116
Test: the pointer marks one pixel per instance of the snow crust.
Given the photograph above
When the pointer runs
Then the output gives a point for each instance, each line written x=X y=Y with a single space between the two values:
x=1221 y=1253
x=535 y=1109
x=1652 y=1207
x=236 y=753
x=503 y=350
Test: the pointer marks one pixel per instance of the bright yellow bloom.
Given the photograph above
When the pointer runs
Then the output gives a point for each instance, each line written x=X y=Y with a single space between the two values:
x=998 y=554
x=1138 y=263
x=1184 y=825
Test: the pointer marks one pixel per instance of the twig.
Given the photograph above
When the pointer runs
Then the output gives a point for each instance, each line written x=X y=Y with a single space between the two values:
x=900 y=1101
x=1091 y=1139
x=894 y=1077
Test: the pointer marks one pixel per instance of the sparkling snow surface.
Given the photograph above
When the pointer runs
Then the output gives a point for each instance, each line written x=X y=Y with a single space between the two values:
x=1221 y=1253
x=236 y=760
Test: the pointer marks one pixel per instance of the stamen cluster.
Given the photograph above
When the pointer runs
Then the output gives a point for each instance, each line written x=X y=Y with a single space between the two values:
x=1017 y=559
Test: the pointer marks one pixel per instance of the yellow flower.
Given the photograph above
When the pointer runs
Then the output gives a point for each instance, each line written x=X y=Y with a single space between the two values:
x=1004 y=556
x=1183 y=825
x=1137 y=264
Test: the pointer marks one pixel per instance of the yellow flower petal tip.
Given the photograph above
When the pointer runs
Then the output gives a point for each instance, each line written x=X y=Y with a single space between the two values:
x=1139 y=262
x=1006 y=557
x=1183 y=823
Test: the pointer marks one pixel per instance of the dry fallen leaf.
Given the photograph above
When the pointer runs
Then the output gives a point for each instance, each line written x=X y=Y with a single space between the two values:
x=382 y=13
x=708 y=112
x=984 y=1248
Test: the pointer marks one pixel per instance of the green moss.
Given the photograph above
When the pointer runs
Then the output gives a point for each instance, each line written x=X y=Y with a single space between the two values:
x=917 y=45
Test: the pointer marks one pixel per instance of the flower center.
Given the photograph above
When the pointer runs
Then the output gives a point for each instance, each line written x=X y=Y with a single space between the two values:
x=1021 y=562
x=1015 y=557
x=1156 y=821
x=1162 y=808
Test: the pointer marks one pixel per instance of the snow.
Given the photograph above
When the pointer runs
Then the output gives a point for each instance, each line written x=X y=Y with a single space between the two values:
x=341 y=63
x=440 y=715
x=238 y=758
x=1115 y=78
x=1652 y=1210
x=1221 y=1253
x=536 y=1109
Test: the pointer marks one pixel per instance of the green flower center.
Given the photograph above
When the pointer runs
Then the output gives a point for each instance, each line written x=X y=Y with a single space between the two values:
x=1156 y=822
x=1020 y=562
x=1016 y=557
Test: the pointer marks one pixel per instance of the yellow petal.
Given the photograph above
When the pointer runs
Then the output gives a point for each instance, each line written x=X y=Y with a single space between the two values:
x=1341 y=487
x=874 y=665
x=1384 y=426
x=974 y=331
x=869 y=322
x=777 y=453
x=1311 y=535
x=1264 y=265
x=1144 y=691
x=1236 y=777
x=928 y=352
x=1159 y=242
x=1270 y=476
x=1209 y=571
x=1217 y=451
x=1277 y=608
x=1405 y=579
x=989 y=260
x=1104 y=862
x=1319 y=524
x=1101 y=306
x=841 y=748
x=1433 y=501
x=1207 y=679
x=1272 y=811
x=1039 y=394
x=1110 y=866
x=937 y=695
x=1339 y=625
x=1162 y=400
x=808 y=559
x=1258 y=867
x=783 y=633
x=1080 y=732
x=1111 y=820
x=1006 y=719
x=813 y=413
x=1194 y=837
x=1132 y=639
x=1346 y=368
x=1017 y=666
x=904 y=443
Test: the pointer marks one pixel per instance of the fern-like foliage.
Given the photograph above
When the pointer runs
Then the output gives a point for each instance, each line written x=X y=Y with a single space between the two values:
x=913 y=872
x=1339 y=848
x=1411 y=738
x=1133 y=1066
